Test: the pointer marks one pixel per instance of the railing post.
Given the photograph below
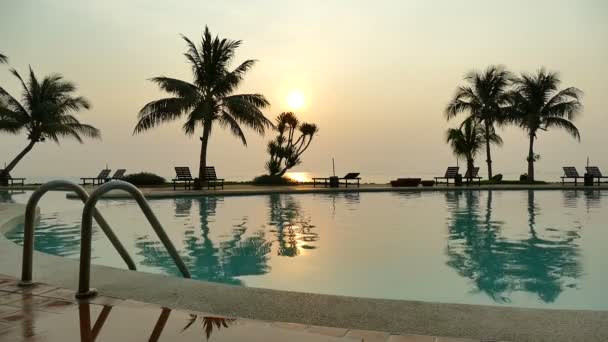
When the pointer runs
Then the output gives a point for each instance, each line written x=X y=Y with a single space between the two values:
x=84 y=289
x=30 y=221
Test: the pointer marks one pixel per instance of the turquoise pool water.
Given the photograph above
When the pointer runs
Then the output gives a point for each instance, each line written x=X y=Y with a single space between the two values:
x=520 y=248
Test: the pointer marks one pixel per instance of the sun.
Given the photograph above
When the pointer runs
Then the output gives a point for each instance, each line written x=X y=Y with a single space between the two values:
x=295 y=99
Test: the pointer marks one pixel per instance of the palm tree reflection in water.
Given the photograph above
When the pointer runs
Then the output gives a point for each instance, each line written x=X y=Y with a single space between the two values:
x=293 y=230
x=218 y=262
x=498 y=266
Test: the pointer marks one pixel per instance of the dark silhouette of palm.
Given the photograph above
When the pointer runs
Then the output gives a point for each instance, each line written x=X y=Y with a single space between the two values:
x=537 y=104
x=468 y=140
x=46 y=112
x=484 y=99
x=210 y=323
x=209 y=99
x=3 y=58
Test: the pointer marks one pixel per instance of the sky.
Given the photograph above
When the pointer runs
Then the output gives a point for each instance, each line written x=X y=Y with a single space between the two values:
x=375 y=76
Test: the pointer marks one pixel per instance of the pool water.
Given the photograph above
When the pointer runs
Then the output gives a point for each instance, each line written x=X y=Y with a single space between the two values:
x=520 y=248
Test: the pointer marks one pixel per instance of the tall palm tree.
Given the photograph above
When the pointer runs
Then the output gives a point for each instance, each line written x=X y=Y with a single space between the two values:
x=46 y=111
x=208 y=99
x=468 y=140
x=484 y=99
x=3 y=58
x=537 y=104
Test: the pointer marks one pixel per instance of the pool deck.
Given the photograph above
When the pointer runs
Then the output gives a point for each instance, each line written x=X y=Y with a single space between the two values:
x=346 y=317
x=244 y=190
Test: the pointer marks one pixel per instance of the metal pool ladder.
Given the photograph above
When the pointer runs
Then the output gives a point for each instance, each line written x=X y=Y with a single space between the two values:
x=88 y=213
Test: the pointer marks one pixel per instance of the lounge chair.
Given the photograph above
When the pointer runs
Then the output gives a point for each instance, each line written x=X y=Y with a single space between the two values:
x=119 y=174
x=10 y=181
x=472 y=174
x=595 y=172
x=570 y=173
x=354 y=176
x=211 y=179
x=101 y=178
x=182 y=174
x=450 y=173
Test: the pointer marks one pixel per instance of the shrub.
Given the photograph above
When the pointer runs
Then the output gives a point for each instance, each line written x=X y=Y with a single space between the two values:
x=497 y=178
x=144 y=178
x=523 y=177
x=273 y=180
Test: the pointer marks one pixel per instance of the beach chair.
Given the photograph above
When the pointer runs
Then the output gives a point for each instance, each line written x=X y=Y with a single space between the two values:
x=211 y=179
x=119 y=174
x=325 y=180
x=182 y=174
x=352 y=176
x=450 y=173
x=594 y=171
x=320 y=180
x=101 y=178
x=472 y=174
x=570 y=173
x=5 y=177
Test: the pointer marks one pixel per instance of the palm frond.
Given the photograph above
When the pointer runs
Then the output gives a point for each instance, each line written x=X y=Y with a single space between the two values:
x=160 y=111
x=564 y=124
x=227 y=121
x=177 y=87
x=3 y=58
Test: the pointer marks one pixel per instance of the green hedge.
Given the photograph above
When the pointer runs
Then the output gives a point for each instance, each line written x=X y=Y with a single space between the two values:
x=144 y=178
x=273 y=180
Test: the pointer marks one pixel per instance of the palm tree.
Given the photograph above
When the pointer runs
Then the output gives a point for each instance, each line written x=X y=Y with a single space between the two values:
x=209 y=98
x=485 y=99
x=3 y=58
x=468 y=140
x=46 y=112
x=537 y=104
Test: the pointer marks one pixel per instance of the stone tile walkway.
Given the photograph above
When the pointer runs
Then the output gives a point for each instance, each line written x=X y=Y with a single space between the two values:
x=48 y=313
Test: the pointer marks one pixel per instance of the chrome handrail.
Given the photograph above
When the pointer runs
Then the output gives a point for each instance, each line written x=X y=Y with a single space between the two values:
x=84 y=290
x=30 y=220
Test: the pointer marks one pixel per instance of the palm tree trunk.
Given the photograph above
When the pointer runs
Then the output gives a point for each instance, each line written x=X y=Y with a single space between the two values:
x=470 y=166
x=531 y=159
x=18 y=158
x=488 y=154
x=203 y=158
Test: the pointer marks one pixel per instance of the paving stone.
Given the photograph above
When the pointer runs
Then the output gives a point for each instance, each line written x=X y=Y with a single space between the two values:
x=60 y=293
x=411 y=338
x=290 y=326
x=327 y=331
x=102 y=300
x=42 y=304
x=368 y=335
x=34 y=290
x=451 y=339
x=8 y=297
x=6 y=309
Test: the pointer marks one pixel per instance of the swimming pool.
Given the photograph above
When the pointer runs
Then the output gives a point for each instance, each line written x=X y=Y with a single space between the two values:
x=520 y=248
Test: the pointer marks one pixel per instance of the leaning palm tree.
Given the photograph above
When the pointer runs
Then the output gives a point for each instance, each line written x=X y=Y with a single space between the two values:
x=208 y=99
x=46 y=111
x=484 y=99
x=468 y=140
x=537 y=104
x=3 y=58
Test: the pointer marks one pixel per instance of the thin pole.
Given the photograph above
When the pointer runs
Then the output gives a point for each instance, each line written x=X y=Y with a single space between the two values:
x=333 y=164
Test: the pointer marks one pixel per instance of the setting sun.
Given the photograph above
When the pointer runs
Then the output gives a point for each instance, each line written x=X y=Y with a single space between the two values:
x=295 y=99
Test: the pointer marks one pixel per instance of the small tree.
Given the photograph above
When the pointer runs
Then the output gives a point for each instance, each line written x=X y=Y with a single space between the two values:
x=285 y=150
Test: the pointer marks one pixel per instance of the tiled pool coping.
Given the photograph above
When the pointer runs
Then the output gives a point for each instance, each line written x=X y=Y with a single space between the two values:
x=395 y=316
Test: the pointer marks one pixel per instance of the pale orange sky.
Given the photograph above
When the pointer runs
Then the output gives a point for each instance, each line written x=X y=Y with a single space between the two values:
x=376 y=77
